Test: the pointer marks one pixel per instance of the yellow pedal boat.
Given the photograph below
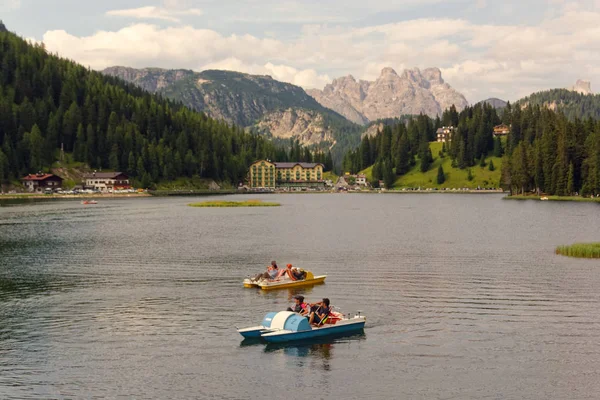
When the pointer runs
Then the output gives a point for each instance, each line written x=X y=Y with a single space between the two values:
x=285 y=282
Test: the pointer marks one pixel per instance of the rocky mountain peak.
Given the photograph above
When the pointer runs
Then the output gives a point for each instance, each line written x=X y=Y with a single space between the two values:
x=390 y=95
x=433 y=75
x=388 y=71
x=581 y=86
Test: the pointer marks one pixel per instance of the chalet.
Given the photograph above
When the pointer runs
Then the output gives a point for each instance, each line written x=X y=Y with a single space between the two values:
x=40 y=182
x=444 y=134
x=501 y=130
x=361 y=179
x=107 y=181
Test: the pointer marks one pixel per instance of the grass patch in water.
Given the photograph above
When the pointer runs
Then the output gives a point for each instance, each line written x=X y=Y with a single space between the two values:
x=580 y=250
x=552 y=198
x=245 y=203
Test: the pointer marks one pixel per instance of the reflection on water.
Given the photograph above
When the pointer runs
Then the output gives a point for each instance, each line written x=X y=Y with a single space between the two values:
x=320 y=348
x=139 y=298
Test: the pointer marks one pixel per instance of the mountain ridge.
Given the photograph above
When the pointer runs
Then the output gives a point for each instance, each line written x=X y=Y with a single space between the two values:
x=235 y=97
x=256 y=102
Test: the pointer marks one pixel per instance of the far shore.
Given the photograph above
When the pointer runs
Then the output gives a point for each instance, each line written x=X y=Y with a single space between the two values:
x=83 y=196
x=181 y=193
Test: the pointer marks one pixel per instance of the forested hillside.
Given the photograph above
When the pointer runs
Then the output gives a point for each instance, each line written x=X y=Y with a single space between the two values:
x=547 y=152
x=47 y=102
x=394 y=151
x=544 y=152
x=572 y=104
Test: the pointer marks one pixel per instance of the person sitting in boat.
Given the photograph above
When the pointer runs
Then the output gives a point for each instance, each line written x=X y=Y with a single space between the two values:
x=294 y=274
x=271 y=273
x=283 y=272
x=298 y=274
x=300 y=307
x=321 y=312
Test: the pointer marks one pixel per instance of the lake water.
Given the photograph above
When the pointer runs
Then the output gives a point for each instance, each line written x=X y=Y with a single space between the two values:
x=138 y=298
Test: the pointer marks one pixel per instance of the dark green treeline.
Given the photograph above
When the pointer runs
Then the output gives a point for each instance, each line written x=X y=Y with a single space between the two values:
x=47 y=102
x=396 y=148
x=545 y=151
x=550 y=153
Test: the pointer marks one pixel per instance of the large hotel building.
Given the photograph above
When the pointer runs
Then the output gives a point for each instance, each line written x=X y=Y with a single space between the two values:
x=266 y=174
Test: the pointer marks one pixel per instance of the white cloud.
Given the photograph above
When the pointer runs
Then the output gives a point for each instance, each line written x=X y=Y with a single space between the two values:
x=508 y=60
x=307 y=78
x=151 y=12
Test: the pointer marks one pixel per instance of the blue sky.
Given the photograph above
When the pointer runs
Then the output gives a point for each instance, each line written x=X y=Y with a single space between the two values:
x=484 y=48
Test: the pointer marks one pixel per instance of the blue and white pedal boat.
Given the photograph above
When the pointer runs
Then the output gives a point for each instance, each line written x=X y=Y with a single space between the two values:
x=286 y=326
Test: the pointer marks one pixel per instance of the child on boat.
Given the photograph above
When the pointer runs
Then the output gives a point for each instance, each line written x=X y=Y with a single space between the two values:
x=300 y=307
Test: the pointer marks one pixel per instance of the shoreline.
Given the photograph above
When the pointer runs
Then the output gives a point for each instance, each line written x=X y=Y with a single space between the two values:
x=25 y=196
x=554 y=198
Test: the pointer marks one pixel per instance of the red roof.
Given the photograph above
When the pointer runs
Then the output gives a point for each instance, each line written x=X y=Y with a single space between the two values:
x=39 y=177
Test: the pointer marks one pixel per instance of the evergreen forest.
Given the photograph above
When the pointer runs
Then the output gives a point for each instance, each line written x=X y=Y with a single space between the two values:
x=545 y=151
x=572 y=104
x=48 y=103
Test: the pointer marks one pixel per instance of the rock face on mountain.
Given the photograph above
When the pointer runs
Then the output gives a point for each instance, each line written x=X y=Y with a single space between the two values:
x=390 y=96
x=150 y=79
x=280 y=109
x=237 y=98
x=308 y=126
x=582 y=87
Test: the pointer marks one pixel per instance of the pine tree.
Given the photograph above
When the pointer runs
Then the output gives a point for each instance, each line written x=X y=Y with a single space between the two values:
x=570 y=181
x=482 y=162
x=498 y=150
x=35 y=144
x=328 y=162
x=79 y=152
x=403 y=157
x=470 y=176
x=388 y=174
x=365 y=152
x=131 y=164
x=113 y=159
x=491 y=166
x=520 y=171
x=441 y=177
x=3 y=167
x=425 y=156
x=140 y=169
x=377 y=171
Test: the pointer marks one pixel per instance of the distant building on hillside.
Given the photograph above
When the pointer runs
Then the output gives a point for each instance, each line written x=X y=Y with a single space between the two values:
x=444 y=134
x=40 y=182
x=361 y=179
x=501 y=130
x=266 y=174
x=107 y=181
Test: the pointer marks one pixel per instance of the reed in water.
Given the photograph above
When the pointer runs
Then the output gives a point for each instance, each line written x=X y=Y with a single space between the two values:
x=581 y=250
